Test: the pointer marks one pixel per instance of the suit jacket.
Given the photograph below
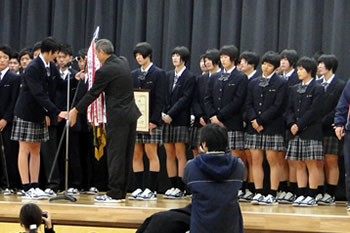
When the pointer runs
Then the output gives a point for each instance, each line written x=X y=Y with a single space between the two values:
x=9 y=88
x=154 y=81
x=178 y=100
x=198 y=105
x=114 y=78
x=225 y=99
x=305 y=110
x=293 y=79
x=266 y=104
x=331 y=98
x=34 y=101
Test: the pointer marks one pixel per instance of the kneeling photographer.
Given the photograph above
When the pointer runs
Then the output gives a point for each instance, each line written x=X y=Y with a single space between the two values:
x=31 y=217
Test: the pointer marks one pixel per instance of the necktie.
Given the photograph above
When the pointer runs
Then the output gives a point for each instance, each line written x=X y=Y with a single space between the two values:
x=224 y=76
x=264 y=82
x=301 y=88
x=62 y=75
x=142 y=76
x=325 y=85
x=176 y=78
x=48 y=72
x=0 y=76
x=285 y=77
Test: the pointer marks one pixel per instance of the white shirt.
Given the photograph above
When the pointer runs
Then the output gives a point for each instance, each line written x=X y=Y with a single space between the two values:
x=147 y=69
x=3 y=72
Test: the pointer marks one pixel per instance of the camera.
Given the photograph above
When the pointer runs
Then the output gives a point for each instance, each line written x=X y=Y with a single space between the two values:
x=44 y=214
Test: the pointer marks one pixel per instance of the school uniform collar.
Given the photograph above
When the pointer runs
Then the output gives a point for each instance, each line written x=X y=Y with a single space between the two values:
x=251 y=74
x=180 y=72
x=210 y=74
x=268 y=77
x=64 y=73
x=3 y=73
x=230 y=70
x=148 y=67
x=329 y=81
x=289 y=73
x=47 y=65
x=306 y=84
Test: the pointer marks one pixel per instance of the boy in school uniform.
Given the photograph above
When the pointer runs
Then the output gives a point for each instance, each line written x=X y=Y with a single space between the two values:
x=148 y=77
x=264 y=105
x=333 y=87
x=176 y=118
x=226 y=93
x=212 y=62
x=249 y=62
x=304 y=119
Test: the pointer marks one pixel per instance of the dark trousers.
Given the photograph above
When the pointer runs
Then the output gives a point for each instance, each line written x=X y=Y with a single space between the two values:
x=75 y=171
x=11 y=157
x=120 y=149
x=347 y=163
x=48 y=152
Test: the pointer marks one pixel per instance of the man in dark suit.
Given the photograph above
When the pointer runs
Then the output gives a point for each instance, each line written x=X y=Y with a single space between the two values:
x=114 y=79
x=9 y=88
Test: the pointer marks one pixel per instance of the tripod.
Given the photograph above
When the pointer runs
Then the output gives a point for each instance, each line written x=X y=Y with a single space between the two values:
x=65 y=132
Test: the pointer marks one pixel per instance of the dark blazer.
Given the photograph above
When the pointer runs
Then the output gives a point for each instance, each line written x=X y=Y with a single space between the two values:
x=244 y=109
x=330 y=100
x=178 y=100
x=198 y=105
x=114 y=78
x=225 y=99
x=34 y=102
x=293 y=79
x=305 y=110
x=9 y=88
x=154 y=81
x=265 y=104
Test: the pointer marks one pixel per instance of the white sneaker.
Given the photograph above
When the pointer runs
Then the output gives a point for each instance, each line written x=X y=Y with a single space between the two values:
x=135 y=194
x=73 y=192
x=93 y=191
x=298 y=201
x=248 y=196
x=50 y=192
x=269 y=200
x=318 y=197
x=288 y=198
x=327 y=200
x=177 y=193
x=240 y=194
x=168 y=193
x=107 y=199
x=8 y=192
x=308 y=202
x=257 y=199
x=41 y=192
x=147 y=195
x=35 y=194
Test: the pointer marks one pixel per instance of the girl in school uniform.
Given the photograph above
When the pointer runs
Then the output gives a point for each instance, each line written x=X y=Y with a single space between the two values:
x=176 y=118
x=264 y=105
x=304 y=120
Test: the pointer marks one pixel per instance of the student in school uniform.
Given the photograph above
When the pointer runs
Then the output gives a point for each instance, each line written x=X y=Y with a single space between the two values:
x=289 y=58
x=176 y=117
x=333 y=87
x=304 y=119
x=25 y=56
x=151 y=78
x=212 y=63
x=9 y=89
x=249 y=62
x=264 y=110
x=29 y=126
x=226 y=93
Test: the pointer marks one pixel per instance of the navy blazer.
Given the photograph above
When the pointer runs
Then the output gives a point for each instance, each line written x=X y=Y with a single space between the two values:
x=225 y=99
x=9 y=88
x=331 y=98
x=293 y=79
x=114 y=78
x=198 y=105
x=178 y=100
x=34 y=102
x=266 y=104
x=154 y=81
x=305 y=110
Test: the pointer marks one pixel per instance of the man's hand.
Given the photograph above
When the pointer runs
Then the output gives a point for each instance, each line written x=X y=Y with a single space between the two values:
x=80 y=75
x=339 y=131
x=3 y=124
x=73 y=116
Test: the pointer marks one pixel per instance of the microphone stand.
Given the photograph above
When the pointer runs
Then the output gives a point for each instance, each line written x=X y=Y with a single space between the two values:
x=65 y=196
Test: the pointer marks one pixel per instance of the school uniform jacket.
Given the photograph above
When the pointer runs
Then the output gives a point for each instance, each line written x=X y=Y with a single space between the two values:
x=293 y=79
x=265 y=104
x=225 y=99
x=154 y=81
x=34 y=103
x=341 y=117
x=178 y=101
x=331 y=98
x=9 y=88
x=305 y=110
x=198 y=105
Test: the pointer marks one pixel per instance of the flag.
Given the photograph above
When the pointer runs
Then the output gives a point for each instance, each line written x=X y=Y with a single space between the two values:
x=96 y=112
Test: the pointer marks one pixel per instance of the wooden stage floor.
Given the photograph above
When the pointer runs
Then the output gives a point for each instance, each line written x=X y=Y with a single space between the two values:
x=130 y=214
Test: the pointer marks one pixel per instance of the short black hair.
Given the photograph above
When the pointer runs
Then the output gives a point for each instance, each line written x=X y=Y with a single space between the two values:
x=144 y=48
x=215 y=137
x=309 y=64
x=82 y=52
x=6 y=49
x=183 y=52
x=49 y=44
x=272 y=58
x=66 y=49
x=213 y=55
x=29 y=214
x=231 y=51
x=291 y=55
x=317 y=55
x=25 y=51
x=330 y=61
x=37 y=46
x=14 y=55
x=251 y=57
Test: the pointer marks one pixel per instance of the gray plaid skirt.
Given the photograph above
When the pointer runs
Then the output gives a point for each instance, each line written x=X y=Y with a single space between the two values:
x=331 y=145
x=29 y=131
x=299 y=149
x=172 y=134
x=155 y=138
x=264 y=142
x=195 y=137
x=236 y=140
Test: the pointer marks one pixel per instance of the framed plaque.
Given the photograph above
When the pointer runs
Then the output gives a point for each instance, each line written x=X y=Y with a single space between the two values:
x=142 y=102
